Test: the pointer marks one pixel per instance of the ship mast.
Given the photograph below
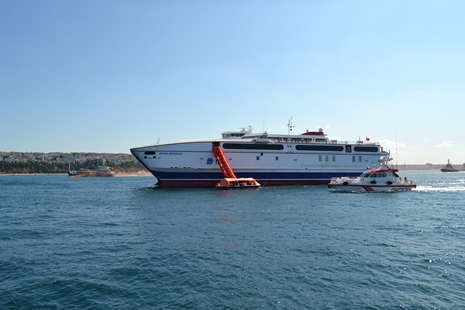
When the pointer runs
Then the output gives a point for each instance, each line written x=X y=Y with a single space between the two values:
x=289 y=125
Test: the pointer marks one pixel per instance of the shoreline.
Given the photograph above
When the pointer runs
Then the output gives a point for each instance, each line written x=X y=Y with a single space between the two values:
x=117 y=175
x=29 y=174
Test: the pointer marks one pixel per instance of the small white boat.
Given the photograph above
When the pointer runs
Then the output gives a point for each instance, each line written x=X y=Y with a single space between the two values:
x=383 y=179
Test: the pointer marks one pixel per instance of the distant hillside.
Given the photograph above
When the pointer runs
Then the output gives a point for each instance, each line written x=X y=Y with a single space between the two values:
x=44 y=167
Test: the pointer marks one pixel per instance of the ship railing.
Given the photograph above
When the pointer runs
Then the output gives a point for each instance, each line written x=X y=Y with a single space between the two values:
x=408 y=182
x=353 y=142
x=310 y=140
x=340 y=179
x=403 y=181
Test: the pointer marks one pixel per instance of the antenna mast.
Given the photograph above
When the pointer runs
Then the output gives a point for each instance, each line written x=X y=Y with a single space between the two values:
x=396 y=150
x=289 y=124
x=264 y=110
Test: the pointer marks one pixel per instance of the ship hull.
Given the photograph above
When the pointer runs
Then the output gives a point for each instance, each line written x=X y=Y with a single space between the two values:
x=368 y=188
x=210 y=179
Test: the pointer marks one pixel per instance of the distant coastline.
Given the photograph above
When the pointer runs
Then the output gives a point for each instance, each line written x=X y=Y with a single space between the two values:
x=34 y=163
x=121 y=174
x=61 y=157
x=29 y=174
x=427 y=167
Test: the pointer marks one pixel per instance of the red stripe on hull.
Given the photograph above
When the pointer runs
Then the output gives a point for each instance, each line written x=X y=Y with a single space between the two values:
x=212 y=183
x=367 y=188
x=371 y=188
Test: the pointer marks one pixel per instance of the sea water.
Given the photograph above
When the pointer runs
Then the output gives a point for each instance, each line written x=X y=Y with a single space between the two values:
x=122 y=243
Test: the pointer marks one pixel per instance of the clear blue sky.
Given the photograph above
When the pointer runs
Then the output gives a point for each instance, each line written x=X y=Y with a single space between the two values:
x=106 y=76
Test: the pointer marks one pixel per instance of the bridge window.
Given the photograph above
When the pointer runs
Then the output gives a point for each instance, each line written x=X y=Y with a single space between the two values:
x=372 y=149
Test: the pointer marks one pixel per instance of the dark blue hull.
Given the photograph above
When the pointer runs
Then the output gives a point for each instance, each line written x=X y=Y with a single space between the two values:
x=210 y=179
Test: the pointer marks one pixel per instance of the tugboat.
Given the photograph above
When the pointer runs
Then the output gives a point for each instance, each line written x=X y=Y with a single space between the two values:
x=383 y=179
x=448 y=167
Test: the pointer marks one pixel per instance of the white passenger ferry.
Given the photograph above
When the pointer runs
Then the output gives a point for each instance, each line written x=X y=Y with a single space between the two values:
x=271 y=159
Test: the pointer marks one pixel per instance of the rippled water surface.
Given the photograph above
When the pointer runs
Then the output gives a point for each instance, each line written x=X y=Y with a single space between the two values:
x=121 y=243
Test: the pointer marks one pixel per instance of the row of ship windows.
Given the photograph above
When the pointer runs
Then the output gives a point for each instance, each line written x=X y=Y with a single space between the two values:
x=297 y=140
x=333 y=158
x=330 y=148
x=320 y=158
x=374 y=175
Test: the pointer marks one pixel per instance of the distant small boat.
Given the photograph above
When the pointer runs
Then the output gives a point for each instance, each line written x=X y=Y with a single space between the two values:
x=448 y=167
x=101 y=172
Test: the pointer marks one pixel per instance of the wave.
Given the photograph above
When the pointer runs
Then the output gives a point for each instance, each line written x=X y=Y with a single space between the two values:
x=447 y=188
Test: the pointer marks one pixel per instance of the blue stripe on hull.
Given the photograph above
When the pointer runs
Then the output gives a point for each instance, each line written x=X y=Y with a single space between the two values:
x=209 y=179
x=255 y=175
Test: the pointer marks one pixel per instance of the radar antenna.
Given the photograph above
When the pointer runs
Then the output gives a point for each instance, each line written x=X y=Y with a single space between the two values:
x=246 y=129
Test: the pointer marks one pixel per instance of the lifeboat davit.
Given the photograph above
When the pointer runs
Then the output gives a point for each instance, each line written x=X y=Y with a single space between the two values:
x=230 y=180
